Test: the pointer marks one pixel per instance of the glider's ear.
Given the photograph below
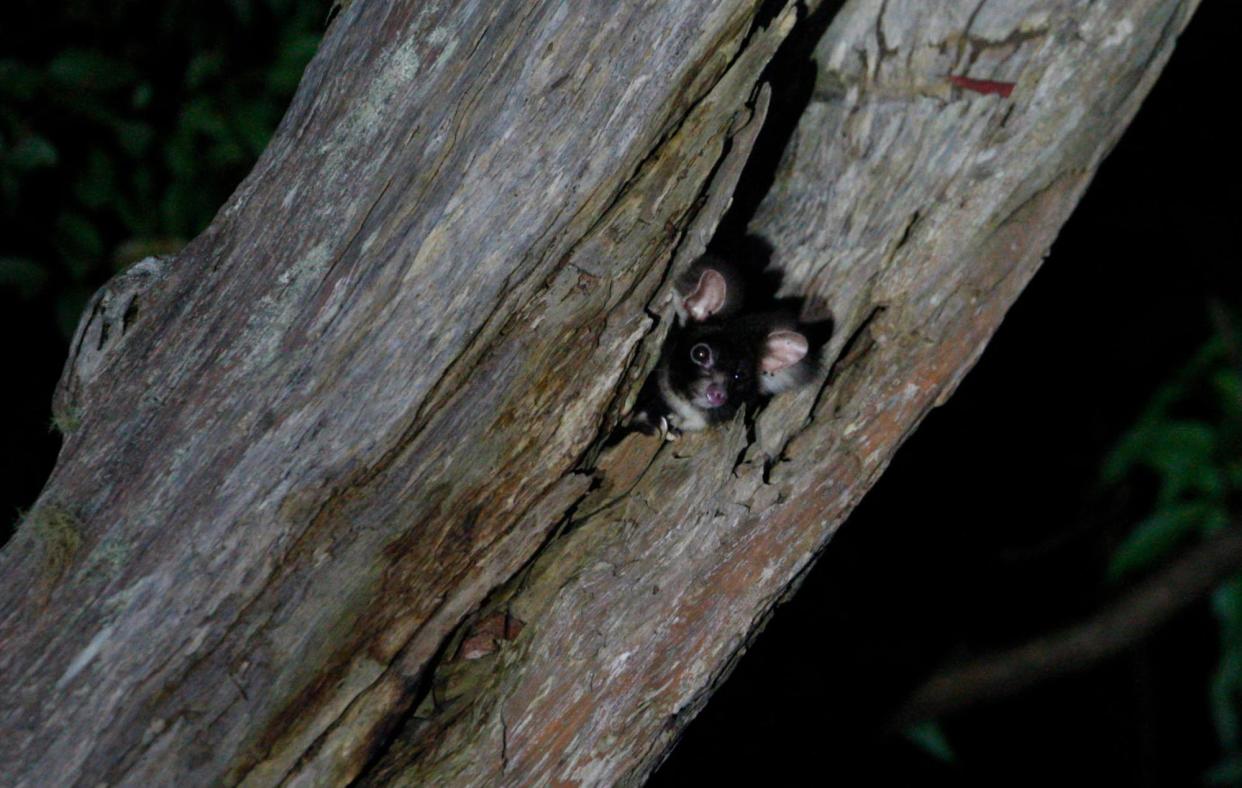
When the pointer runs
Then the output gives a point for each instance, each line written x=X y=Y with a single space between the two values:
x=783 y=349
x=708 y=297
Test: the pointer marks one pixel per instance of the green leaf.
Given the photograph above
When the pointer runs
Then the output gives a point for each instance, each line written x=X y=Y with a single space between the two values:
x=930 y=738
x=1216 y=518
x=181 y=156
x=1227 y=606
x=19 y=82
x=178 y=209
x=254 y=122
x=142 y=96
x=134 y=136
x=69 y=306
x=202 y=68
x=97 y=183
x=31 y=153
x=244 y=11
x=1227 y=772
x=202 y=116
x=78 y=241
x=226 y=154
x=1181 y=447
x=91 y=70
x=1224 y=699
x=296 y=50
x=1130 y=450
x=1228 y=385
x=1154 y=538
x=25 y=276
x=137 y=203
x=1226 y=689
x=1180 y=452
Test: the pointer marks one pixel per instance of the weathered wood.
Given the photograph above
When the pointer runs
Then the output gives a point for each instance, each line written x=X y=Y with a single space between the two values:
x=917 y=211
x=360 y=409
x=351 y=407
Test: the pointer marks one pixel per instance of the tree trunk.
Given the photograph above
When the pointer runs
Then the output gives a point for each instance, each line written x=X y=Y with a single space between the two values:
x=334 y=504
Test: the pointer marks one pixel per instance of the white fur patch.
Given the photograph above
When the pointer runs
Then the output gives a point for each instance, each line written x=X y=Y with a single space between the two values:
x=784 y=379
x=685 y=416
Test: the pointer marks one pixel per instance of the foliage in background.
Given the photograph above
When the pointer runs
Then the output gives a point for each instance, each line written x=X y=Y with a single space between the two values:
x=124 y=127
x=1185 y=449
x=1189 y=440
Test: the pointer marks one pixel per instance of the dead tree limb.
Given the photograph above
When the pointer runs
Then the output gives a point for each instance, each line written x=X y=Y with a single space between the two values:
x=1103 y=635
x=357 y=422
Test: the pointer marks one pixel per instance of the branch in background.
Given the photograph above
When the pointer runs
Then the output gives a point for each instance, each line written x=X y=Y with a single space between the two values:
x=1113 y=630
x=1228 y=330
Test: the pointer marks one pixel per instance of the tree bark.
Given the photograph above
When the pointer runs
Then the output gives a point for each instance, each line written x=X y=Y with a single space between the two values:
x=335 y=504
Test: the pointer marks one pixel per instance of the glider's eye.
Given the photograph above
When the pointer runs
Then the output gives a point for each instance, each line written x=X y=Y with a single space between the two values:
x=701 y=354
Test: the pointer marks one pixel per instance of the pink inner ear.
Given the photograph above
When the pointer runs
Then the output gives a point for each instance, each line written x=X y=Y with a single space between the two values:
x=708 y=296
x=784 y=349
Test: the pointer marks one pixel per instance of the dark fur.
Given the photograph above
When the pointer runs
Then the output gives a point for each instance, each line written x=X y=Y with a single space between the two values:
x=682 y=393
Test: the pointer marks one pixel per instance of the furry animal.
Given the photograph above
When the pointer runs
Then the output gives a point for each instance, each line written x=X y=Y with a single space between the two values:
x=719 y=355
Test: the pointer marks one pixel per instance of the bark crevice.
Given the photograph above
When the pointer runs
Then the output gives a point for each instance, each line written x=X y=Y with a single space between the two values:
x=334 y=448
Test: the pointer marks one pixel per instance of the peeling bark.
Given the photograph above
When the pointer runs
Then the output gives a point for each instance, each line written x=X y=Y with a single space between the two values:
x=359 y=420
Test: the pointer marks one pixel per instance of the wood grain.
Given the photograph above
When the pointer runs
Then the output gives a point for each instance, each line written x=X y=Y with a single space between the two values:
x=363 y=410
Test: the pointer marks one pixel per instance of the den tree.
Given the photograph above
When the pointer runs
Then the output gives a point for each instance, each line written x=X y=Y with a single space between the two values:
x=341 y=495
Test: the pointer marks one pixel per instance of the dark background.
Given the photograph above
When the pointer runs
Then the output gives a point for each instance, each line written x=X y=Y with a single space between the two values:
x=1086 y=449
